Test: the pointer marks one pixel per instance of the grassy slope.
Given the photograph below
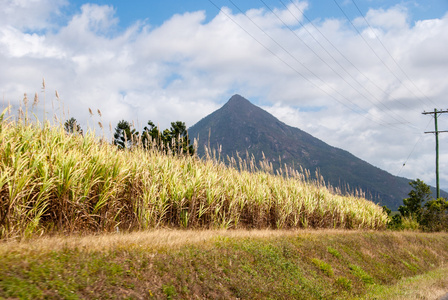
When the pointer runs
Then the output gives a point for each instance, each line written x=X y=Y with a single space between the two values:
x=167 y=264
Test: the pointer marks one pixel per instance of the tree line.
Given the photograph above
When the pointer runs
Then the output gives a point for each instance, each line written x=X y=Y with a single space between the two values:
x=174 y=140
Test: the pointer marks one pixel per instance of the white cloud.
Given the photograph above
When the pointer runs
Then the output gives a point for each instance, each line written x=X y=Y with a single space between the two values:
x=186 y=68
x=19 y=44
x=30 y=14
x=390 y=19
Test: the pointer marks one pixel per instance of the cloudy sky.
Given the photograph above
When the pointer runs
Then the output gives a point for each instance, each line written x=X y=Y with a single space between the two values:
x=356 y=74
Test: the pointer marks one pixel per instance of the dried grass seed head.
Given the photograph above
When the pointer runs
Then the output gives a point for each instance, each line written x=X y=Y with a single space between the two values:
x=36 y=99
x=25 y=99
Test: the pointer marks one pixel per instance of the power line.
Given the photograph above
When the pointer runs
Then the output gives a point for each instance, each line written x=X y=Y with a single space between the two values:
x=372 y=82
x=336 y=61
x=298 y=61
x=390 y=55
x=412 y=151
x=377 y=55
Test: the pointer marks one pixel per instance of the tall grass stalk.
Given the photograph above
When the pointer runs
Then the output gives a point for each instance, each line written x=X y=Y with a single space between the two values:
x=54 y=182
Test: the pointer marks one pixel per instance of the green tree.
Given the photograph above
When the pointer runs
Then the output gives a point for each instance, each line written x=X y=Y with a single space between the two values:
x=435 y=215
x=125 y=137
x=178 y=138
x=412 y=206
x=395 y=221
x=420 y=208
x=72 y=126
x=174 y=139
x=386 y=210
x=151 y=136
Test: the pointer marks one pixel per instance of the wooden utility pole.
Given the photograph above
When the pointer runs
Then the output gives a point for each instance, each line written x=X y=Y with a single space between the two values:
x=436 y=132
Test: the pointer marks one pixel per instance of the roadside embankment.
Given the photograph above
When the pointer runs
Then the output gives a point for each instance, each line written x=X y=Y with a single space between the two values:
x=258 y=264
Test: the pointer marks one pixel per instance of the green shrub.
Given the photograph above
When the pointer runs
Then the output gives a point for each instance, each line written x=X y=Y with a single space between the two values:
x=409 y=223
x=361 y=274
x=323 y=266
x=169 y=290
x=334 y=252
x=344 y=283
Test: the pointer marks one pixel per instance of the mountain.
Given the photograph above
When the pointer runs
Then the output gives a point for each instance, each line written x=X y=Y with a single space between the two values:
x=240 y=126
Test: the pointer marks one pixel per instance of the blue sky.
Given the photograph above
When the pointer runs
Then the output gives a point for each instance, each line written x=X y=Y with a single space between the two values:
x=358 y=86
x=157 y=12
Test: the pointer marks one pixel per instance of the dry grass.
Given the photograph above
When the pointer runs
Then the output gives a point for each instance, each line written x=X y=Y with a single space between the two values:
x=153 y=239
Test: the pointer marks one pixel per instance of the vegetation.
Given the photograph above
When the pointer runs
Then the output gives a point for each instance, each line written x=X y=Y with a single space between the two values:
x=174 y=140
x=125 y=137
x=412 y=206
x=72 y=126
x=231 y=264
x=435 y=215
x=420 y=210
x=56 y=182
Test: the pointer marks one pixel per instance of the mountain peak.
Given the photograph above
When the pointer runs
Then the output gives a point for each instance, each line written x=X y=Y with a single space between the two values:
x=240 y=107
x=238 y=100
x=237 y=97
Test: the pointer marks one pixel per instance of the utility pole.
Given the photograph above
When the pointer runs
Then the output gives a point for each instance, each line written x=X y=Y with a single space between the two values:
x=436 y=132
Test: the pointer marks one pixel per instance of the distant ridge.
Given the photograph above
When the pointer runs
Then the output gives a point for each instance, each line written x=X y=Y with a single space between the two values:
x=240 y=126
